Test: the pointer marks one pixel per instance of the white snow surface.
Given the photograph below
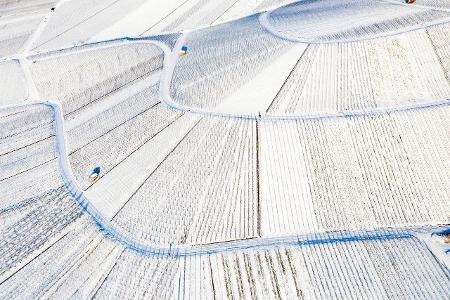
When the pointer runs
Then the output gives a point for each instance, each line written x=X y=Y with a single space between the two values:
x=114 y=189
x=256 y=95
x=300 y=149
x=13 y=87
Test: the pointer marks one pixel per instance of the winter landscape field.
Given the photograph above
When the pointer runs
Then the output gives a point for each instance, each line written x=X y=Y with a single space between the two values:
x=232 y=149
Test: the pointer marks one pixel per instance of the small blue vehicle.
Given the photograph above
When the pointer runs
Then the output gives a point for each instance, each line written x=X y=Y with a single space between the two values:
x=183 y=51
x=95 y=174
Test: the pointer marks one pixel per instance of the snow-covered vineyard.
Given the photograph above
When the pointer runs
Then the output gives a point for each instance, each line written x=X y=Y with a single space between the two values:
x=249 y=149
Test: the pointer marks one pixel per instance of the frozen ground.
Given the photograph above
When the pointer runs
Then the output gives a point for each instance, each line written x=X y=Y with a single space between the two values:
x=315 y=21
x=300 y=150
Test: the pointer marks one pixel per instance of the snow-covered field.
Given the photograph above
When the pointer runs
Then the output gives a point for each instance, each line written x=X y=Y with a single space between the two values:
x=299 y=150
x=380 y=73
x=13 y=86
x=223 y=59
x=92 y=75
x=315 y=21
x=34 y=206
x=359 y=172
x=95 y=266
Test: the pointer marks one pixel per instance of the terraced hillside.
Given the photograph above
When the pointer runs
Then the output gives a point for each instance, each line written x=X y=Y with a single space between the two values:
x=297 y=150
